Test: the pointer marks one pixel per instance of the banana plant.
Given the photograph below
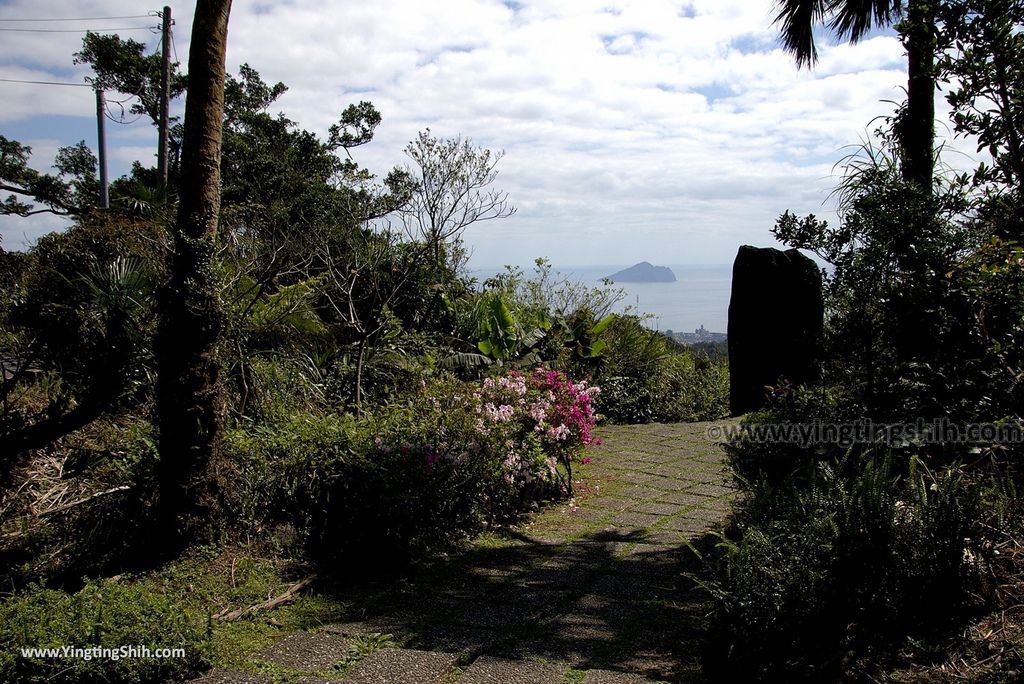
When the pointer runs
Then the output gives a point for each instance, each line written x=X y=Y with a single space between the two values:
x=583 y=335
x=290 y=306
x=501 y=338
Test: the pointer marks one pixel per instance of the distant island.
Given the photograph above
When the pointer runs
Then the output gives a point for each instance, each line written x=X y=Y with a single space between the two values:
x=644 y=272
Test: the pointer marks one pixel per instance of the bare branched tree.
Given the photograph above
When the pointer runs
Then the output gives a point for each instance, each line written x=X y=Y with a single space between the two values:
x=452 y=191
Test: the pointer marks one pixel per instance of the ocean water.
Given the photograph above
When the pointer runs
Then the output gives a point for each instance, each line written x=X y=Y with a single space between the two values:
x=700 y=295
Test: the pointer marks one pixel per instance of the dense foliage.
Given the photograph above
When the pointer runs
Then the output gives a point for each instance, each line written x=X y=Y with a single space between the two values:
x=867 y=546
x=114 y=625
x=372 y=402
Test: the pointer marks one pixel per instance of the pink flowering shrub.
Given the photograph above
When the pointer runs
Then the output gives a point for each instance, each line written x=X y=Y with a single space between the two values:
x=416 y=476
x=543 y=409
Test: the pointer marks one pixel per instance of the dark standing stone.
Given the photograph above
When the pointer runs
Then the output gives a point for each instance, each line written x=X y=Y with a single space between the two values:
x=776 y=315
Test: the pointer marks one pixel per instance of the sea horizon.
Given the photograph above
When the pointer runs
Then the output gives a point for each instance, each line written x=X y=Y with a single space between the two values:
x=698 y=298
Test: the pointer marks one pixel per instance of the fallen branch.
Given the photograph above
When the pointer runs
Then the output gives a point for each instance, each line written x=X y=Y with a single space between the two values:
x=11 y=536
x=284 y=599
x=79 y=502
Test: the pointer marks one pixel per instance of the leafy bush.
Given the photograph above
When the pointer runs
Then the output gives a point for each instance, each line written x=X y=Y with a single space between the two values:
x=822 y=573
x=355 y=499
x=645 y=376
x=75 y=332
x=568 y=326
x=406 y=479
x=836 y=558
x=755 y=459
x=107 y=615
x=544 y=408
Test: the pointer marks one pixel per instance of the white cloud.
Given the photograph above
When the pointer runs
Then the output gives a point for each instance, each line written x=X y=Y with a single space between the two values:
x=633 y=129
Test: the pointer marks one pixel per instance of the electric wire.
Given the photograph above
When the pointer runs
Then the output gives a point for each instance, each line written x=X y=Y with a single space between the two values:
x=52 y=83
x=120 y=119
x=75 y=30
x=174 y=46
x=130 y=16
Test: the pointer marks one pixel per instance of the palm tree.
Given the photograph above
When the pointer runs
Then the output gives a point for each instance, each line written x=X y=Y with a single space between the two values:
x=189 y=404
x=852 y=20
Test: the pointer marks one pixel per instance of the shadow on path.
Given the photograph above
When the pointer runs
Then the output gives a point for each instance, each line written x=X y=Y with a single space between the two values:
x=598 y=585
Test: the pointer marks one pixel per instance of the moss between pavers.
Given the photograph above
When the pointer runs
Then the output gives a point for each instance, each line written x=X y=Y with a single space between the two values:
x=658 y=508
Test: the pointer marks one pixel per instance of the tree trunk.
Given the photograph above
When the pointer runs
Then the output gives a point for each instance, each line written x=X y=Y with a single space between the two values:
x=359 y=376
x=189 y=401
x=917 y=129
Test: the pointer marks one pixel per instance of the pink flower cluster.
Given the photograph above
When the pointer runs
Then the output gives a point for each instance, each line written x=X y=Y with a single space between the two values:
x=543 y=408
x=563 y=410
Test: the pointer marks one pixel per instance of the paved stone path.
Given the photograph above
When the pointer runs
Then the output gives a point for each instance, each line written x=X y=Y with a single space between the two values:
x=590 y=592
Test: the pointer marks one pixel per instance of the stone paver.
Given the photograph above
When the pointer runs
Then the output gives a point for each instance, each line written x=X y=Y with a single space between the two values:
x=362 y=628
x=635 y=520
x=657 y=508
x=304 y=651
x=401 y=666
x=612 y=677
x=596 y=585
x=488 y=670
x=454 y=639
x=218 y=676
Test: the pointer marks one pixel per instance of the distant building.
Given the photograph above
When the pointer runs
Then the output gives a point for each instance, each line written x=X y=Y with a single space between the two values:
x=698 y=336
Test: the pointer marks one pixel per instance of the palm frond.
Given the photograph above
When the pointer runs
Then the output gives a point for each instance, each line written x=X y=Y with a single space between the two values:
x=854 y=19
x=797 y=19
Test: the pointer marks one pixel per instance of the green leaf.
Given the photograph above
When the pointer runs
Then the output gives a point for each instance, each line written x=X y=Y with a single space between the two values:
x=289 y=306
x=464 y=360
x=603 y=324
x=502 y=316
x=533 y=337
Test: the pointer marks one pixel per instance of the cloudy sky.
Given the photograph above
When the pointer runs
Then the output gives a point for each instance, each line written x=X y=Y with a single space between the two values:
x=633 y=130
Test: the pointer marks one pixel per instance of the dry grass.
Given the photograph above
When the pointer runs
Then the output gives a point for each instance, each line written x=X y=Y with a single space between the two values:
x=991 y=648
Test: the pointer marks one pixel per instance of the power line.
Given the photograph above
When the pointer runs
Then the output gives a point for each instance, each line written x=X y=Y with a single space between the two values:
x=131 y=16
x=85 y=30
x=121 y=119
x=174 y=47
x=53 y=83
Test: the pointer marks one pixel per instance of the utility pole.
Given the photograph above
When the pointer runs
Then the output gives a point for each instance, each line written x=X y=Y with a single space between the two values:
x=165 y=99
x=101 y=135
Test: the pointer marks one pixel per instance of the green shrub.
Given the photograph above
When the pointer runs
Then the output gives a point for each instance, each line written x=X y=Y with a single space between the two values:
x=353 y=499
x=645 y=376
x=273 y=465
x=386 y=487
x=756 y=456
x=280 y=386
x=107 y=615
x=396 y=496
x=847 y=560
